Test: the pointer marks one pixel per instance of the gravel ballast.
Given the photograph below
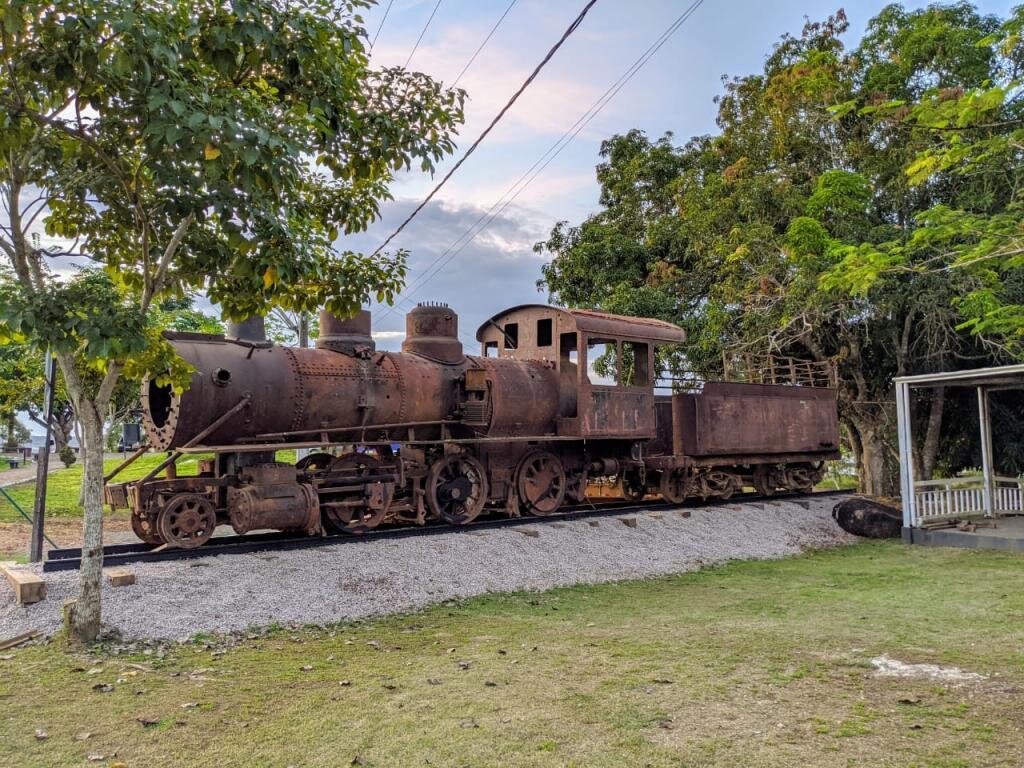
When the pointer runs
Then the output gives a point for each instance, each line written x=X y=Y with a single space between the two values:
x=361 y=578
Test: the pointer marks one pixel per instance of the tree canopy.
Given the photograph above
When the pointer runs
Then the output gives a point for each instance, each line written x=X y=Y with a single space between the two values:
x=859 y=206
x=192 y=145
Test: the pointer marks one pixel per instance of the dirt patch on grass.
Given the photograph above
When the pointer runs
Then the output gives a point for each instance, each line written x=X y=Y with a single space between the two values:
x=65 y=531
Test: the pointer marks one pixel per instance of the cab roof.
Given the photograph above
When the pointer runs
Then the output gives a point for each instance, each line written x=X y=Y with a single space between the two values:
x=592 y=322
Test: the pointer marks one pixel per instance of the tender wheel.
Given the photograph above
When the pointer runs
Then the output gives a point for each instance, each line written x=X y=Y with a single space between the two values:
x=145 y=530
x=765 y=480
x=186 y=521
x=631 y=489
x=803 y=477
x=674 y=486
x=721 y=484
x=456 y=488
x=314 y=462
x=354 y=516
x=541 y=483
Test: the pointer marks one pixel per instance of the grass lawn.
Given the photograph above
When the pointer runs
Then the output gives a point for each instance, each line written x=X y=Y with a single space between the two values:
x=750 y=664
x=63 y=485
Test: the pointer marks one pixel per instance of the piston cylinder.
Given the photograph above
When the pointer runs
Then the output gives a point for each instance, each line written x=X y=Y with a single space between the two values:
x=270 y=498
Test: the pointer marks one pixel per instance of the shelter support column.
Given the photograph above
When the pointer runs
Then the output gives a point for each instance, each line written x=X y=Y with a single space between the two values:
x=906 y=447
x=987 y=472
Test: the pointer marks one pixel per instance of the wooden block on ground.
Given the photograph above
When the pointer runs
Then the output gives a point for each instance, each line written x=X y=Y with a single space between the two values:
x=69 y=606
x=629 y=522
x=558 y=525
x=656 y=516
x=683 y=512
x=593 y=523
x=120 y=577
x=531 y=532
x=28 y=588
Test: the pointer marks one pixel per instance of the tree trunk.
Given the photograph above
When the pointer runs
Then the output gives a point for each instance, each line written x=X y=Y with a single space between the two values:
x=85 y=617
x=10 y=441
x=876 y=474
x=930 y=447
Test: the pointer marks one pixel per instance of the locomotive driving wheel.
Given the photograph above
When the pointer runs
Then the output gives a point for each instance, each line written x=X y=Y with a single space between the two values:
x=456 y=488
x=314 y=462
x=354 y=515
x=540 y=483
x=186 y=521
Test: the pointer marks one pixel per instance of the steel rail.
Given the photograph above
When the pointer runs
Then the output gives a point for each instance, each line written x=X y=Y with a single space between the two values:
x=122 y=554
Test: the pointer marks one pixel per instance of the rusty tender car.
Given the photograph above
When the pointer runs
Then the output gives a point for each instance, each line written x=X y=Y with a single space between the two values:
x=431 y=433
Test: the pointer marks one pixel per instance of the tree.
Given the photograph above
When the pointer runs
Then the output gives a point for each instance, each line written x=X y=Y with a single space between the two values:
x=19 y=380
x=754 y=238
x=192 y=145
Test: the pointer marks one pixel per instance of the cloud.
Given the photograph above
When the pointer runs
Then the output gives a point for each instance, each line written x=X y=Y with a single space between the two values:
x=550 y=104
x=496 y=270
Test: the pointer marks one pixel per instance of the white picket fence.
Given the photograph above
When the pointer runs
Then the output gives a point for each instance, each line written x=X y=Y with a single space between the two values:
x=964 y=496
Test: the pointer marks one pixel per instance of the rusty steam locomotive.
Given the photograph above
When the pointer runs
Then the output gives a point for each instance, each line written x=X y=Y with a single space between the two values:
x=433 y=434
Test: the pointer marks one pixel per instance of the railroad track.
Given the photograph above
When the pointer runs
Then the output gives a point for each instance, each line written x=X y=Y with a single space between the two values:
x=69 y=558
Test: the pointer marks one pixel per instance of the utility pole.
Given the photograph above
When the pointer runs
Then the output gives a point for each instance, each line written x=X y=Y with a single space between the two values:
x=43 y=466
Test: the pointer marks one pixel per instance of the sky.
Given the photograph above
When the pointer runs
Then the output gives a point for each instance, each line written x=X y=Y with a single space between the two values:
x=673 y=92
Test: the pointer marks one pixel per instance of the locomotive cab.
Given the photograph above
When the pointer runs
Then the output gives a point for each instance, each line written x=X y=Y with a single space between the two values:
x=605 y=362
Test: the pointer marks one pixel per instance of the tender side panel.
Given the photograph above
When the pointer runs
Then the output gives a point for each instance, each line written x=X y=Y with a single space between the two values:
x=733 y=419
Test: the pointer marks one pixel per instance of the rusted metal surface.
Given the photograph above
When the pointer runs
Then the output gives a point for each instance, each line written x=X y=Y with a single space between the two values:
x=589 y=321
x=729 y=418
x=557 y=399
x=270 y=497
x=432 y=331
x=350 y=337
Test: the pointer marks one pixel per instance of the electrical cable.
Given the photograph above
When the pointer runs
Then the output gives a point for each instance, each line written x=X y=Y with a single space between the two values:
x=489 y=34
x=379 y=28
x=422 y=33
x=565 y=35
x=527 y=178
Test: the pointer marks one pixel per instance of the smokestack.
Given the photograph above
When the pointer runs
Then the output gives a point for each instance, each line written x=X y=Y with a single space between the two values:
x=432 y=331
x=346 y=336
x=252 y=329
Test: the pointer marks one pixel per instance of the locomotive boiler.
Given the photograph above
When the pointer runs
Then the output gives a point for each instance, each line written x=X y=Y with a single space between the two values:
x=556 y=398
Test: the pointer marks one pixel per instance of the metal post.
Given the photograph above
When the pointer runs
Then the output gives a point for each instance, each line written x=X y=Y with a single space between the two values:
x=43 y=467
x=906 y=446
x=301 y=453
x=986 y=450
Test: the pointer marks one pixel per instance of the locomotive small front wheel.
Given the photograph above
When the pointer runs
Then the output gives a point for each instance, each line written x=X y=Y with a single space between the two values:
x=186 y=521
x=540 y=482
x=145 y=530
x=456 y=488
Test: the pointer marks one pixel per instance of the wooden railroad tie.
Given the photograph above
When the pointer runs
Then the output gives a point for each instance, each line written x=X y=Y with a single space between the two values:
x=27 y=586
x=629 y=522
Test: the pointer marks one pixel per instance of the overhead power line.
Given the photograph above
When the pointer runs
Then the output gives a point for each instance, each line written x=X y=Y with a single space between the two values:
x=489 y=34
x=538 y=167
x=422 y=33
x=565 y=36
x=379 y=28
